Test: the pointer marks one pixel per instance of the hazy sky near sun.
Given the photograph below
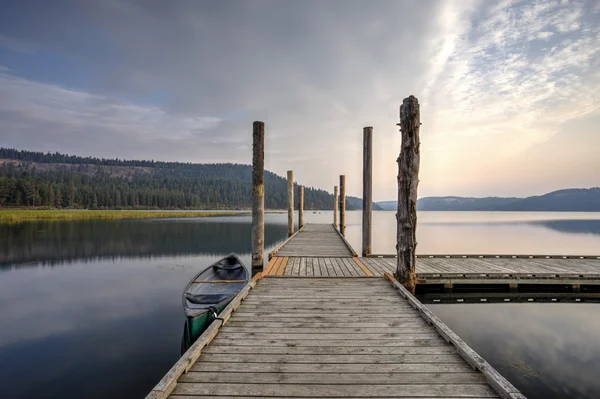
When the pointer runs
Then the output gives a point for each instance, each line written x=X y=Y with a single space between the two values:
x=509 y=90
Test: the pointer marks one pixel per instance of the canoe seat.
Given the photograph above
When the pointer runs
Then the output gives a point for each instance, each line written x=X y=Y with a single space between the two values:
x=206 y=299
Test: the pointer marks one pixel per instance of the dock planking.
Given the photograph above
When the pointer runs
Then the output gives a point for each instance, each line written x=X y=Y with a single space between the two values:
x=321 y=322
x=369 y=342
x=320 y=251
x=316 y=240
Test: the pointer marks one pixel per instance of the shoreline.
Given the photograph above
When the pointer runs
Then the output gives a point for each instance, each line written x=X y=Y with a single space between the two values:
x=26 y=215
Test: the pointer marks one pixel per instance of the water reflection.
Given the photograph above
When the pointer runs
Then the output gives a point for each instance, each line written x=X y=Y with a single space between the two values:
x=52 y=242
x=109 y=325
x=548 y=351
x=571 y=226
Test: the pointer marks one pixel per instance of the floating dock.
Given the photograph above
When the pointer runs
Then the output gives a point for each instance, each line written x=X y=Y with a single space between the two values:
x=296 y=257
x=321 y=322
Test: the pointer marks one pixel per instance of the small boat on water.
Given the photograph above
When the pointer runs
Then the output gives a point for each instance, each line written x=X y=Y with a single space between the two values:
x=208 y=293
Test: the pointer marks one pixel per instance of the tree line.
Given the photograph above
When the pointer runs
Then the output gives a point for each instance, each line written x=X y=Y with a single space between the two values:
x=161 y=185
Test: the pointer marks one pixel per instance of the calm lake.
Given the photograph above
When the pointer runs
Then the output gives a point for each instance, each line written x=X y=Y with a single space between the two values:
x=93 y=308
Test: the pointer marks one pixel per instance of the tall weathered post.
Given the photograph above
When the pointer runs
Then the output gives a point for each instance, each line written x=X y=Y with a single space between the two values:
x=408 y=182
x=335 y=205
x=343 y=205
x=300 y=207
x=258 y=196
x=290 y=197
x=367 y=213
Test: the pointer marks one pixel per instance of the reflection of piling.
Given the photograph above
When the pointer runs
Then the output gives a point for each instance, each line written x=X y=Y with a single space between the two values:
x=367 y=213
x=300 y=207
x=343 y=205
x=290 y=197
x=258 y=196
x=335 y=206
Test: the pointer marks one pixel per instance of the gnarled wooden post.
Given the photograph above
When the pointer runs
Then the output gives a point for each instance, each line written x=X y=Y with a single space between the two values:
x=367 y=211
x=258 y=196
x=335 y=205
x=343 y=205
x=300 y=207
x=408 y=182
x=290 y=198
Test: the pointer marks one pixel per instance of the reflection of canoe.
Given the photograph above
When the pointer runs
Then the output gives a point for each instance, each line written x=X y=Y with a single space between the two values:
x=209 y=292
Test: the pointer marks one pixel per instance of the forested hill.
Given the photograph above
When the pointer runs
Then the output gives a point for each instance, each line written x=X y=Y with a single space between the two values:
x=67 y=181
x=574 y=200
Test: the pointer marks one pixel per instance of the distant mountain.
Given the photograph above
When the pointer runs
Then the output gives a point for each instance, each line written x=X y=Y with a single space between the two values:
x=69 y=181
x=387 y=205
x=463 y=204
x=568 y=200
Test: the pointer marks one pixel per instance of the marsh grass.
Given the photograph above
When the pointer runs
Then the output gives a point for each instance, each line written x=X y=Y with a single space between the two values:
x=22 y=215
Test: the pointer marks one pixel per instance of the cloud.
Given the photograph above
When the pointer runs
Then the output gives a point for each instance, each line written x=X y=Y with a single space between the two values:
x=56 y=114
x=495 y=79
x=521 y=72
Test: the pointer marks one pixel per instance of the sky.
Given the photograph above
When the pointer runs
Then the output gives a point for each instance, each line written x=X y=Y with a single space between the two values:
x=509 y=90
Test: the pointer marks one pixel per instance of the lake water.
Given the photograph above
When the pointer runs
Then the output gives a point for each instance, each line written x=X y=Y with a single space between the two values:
x=92 y=308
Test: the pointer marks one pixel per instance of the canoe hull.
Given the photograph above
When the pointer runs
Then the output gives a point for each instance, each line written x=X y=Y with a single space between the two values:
x=214 y=287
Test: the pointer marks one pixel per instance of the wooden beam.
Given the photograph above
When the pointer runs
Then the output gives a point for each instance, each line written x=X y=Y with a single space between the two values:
x=300 y=207
x=365 y=269
x=408 y=182
x=290 y=197
x=343 y=205
x=367 y=211
x=258 y=196
x=498 y=383
x=335 y=206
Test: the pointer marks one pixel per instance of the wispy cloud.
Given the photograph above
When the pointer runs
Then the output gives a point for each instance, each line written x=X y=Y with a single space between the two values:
x=39 y=106
x=522 y=70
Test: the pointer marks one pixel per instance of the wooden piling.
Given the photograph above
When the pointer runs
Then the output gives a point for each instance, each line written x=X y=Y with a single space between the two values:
x=408 y=182
x=335 y=205
x=367 y=213
x=290 y=197
x=343 y=205
x=258 y=196
x=300 y=207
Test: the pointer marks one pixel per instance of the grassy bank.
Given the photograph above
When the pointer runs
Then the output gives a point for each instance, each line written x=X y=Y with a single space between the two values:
x=21 y=215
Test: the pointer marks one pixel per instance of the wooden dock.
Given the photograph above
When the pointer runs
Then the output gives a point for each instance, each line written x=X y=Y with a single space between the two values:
x=315 y=240
x=314 y=324
x=319 y=250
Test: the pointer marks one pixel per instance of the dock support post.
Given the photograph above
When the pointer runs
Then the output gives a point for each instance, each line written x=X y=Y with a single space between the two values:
x=290 y=197
x=367 y=213
x=300 y=207
x=343 y=205
x=408 y=182
x=448 y=287
x=513 y=288
x=335 y=205
x=258 y=196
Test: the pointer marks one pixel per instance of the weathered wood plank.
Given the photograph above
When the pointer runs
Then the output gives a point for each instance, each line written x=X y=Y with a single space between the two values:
x=335 y=378
x=316 y=240
x=393 y=323
x=331 y=368
x=400 y=336
x=329 y=337
x=346 y=391
x=504 y=388
x=331 y=342
x=328 y=350
x=331 y=359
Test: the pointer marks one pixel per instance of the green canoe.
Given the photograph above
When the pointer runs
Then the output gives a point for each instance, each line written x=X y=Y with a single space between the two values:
x=208 y=293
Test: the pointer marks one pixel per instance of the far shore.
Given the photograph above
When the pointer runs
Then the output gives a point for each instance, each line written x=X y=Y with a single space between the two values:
x=21 y=215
